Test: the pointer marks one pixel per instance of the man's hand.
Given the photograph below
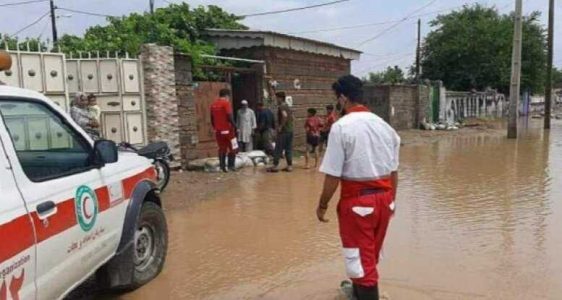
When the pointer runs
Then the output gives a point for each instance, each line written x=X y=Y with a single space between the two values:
x=321 y=213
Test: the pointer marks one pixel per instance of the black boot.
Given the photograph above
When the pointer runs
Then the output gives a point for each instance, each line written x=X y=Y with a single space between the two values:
x=232 y=162
x=366 y=292
x=222 y=162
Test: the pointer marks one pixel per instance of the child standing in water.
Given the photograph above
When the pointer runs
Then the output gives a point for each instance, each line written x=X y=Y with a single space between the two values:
x=312 y=127
x=95 y=112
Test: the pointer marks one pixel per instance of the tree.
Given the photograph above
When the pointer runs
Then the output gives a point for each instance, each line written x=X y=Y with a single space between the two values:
x=176 y=25
x=392 y=75
x=471 y=49
x=556 y=77
x=29 y=44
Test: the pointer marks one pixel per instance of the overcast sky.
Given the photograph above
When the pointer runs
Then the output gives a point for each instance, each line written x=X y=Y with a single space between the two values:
x=395 y=47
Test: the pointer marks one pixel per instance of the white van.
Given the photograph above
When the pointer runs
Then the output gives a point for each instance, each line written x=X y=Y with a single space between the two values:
x=71 y=207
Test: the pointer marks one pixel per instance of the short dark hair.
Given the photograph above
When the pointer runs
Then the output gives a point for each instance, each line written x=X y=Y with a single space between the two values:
x=311 y=111
x=349 y=86
x=329 y=107
x=281 y=94
x=91 y=96
x=260 y=104
x=224 y=93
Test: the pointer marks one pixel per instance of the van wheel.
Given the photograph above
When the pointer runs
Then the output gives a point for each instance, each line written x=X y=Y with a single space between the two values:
x=151 y=244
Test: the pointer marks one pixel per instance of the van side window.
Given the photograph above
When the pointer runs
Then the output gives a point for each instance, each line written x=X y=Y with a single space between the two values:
x=46 y=146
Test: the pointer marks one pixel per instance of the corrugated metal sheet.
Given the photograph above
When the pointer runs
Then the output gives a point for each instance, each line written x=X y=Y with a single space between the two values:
x=238 y=39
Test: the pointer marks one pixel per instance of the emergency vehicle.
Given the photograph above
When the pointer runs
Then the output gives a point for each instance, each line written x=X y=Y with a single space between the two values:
x=71 y=207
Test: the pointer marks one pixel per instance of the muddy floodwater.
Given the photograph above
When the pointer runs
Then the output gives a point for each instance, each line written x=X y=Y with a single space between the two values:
x=478 y=217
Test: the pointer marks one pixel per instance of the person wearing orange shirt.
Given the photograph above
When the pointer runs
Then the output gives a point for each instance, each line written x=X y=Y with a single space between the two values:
x=225 y=130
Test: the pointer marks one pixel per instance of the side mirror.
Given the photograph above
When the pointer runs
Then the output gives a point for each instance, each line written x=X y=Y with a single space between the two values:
x=105 y=152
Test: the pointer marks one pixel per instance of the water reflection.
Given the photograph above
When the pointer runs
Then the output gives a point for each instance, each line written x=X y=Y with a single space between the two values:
x=478 y=217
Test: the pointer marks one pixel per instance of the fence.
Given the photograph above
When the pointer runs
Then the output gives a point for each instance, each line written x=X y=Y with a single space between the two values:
x=461 y=105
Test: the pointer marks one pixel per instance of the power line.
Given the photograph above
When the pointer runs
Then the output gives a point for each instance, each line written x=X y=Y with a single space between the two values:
x=378 y=23
x=395 y=25
x=22 y=3
x=291 y=9
x=85 y=12
x=385 y=62
x=33 y=23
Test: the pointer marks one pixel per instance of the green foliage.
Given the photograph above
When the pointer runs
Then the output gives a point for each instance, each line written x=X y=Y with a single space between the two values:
x=176 y=25
x=392 y=75
x=30 y=44
x=471 y=49
x=556 y=76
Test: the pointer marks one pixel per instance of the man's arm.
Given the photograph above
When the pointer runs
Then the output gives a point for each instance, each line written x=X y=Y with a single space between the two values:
x=283 y=120
x=331 y=184
x=231 y=119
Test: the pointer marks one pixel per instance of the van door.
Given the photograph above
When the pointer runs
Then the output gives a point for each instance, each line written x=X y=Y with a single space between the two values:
x=17 y=238
x=53 y=168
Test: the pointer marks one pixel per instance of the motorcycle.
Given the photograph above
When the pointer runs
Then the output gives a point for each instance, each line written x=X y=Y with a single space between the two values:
x=161 y=156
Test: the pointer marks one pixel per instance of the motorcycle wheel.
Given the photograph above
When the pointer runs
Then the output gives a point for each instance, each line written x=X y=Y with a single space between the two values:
x=162 y=174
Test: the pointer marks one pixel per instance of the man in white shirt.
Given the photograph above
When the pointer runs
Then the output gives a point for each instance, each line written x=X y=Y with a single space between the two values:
x=362 y=155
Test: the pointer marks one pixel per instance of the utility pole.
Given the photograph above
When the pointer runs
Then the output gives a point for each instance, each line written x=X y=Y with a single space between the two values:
x=53 y=22
x=418 y=53
x=548 y=92
x=151 y=5
x=515 y=88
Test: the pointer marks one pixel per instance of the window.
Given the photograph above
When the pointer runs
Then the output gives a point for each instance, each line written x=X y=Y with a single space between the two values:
x=46 y=146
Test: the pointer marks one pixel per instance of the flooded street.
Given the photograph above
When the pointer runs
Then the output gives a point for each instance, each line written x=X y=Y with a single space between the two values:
x=478 y=217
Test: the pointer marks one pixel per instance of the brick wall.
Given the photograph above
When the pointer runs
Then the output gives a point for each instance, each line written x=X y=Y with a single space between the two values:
x=186 y=108
x=402 y=106
x=160 y=94
x=316 y=74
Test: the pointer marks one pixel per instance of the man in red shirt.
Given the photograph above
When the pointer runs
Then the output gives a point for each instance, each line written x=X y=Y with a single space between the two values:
x=329 y=120
x=225 y=129
x=312 y=126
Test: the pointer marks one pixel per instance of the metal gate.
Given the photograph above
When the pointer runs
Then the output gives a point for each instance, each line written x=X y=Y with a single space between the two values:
x=117 y=83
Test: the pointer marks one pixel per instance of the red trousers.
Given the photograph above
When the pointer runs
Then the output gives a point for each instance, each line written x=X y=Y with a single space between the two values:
x=363 y=215
x=224 y=141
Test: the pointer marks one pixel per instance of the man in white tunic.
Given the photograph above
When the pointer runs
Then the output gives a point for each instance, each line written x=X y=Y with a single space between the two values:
x=246 y=123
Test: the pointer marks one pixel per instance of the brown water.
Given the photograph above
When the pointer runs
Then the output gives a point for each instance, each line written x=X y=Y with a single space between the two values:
x=478 y=218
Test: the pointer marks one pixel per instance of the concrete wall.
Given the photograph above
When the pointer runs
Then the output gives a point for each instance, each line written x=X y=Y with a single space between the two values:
x=402 y=106
x=186 y=108
x=160 y=94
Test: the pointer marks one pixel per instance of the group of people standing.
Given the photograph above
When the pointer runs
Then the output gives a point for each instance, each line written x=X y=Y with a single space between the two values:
x=262 y=129
x=86 y=113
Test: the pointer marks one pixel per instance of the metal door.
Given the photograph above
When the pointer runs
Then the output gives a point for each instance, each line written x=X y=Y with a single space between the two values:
x=58 y=138
x=89 y=76
x=206 y=93
x=131 y=103
x=11 y=77
x=109 y=76
x=131 y=83
x=110 y=103
x=73 y=79
x=134 y=128
x=38 y=133
x=53 y=66
x=31 y=71
x=112 y=127
x=59 y=100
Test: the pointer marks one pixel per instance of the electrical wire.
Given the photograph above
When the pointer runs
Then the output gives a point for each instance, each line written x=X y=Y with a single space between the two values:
x=395 y=25
x=85 y=12
x=22 y=3
x=393 y=61
x=33 y=23
x=292 y=9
